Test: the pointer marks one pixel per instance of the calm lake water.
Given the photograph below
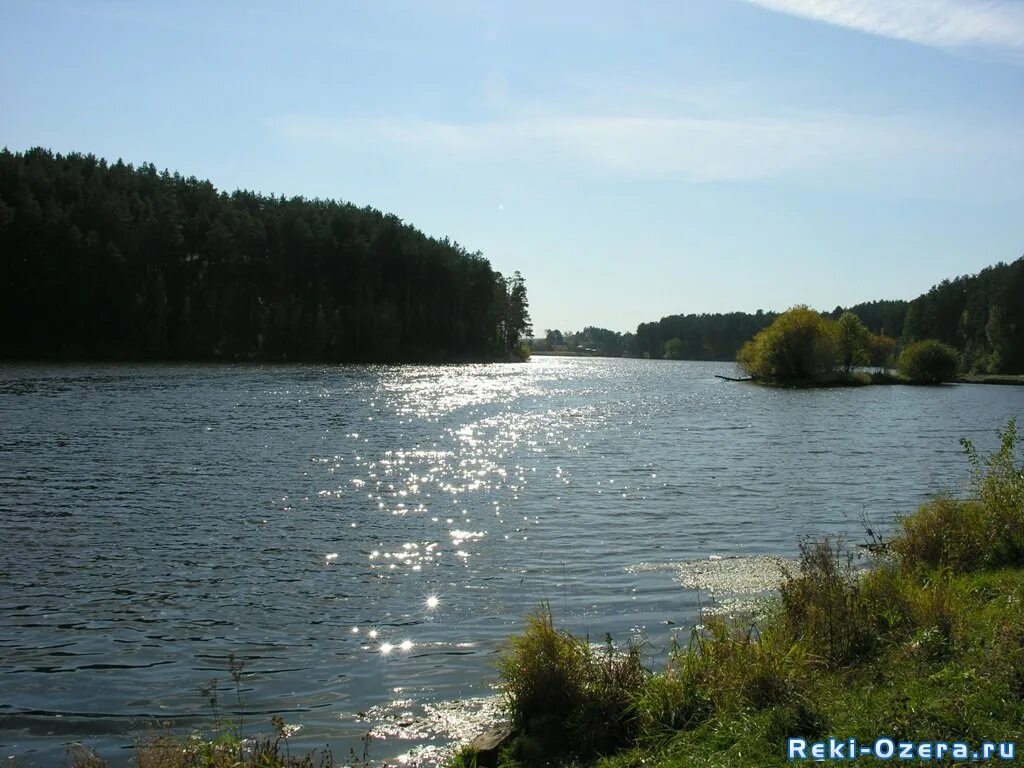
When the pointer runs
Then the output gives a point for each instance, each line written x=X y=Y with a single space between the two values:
x=365 y=538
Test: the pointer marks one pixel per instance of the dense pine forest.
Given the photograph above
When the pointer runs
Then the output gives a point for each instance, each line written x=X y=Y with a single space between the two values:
x=981 y=316
x=109 y=261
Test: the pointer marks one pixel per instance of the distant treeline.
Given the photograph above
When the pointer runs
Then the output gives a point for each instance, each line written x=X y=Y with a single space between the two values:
x=111 y=261
x=981 y=316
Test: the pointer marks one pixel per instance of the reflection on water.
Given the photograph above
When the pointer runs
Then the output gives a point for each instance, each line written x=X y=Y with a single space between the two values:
x=350 y=531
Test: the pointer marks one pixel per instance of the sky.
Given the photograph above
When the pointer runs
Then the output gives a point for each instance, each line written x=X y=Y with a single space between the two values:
x=631 y=159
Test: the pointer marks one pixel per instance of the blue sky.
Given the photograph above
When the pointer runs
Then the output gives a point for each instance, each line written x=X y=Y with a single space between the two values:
x=631 y=159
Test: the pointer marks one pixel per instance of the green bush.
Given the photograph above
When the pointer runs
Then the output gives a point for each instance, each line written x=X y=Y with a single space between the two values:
x=944 y=533
x=727 y=671
x=799 y=345
x=986 y=531
x=823 y=605
x=998 y=481
x=928 y=362
x=569 y=695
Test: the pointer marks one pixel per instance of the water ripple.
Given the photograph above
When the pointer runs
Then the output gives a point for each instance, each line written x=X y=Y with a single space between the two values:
x=158 y=518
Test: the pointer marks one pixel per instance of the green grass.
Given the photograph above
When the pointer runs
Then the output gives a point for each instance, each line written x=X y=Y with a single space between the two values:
x=926 y=644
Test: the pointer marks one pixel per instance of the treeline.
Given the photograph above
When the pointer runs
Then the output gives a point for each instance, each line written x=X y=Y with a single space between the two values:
x=884 y=317
x=700 y=337
x=981 y=316
x=689 y=337
x=720 y=336
x=599 y=342
x=109 y=261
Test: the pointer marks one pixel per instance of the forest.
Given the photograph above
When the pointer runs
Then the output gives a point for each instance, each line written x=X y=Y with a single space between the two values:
x=108 y=261
x=981 y=316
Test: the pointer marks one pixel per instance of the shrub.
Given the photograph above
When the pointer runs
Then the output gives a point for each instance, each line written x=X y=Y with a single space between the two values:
x=944 y=533
x=932 y=609
x=887 y=589
x=748 y=670
x=997 y=480
x=800 y=344
x=928 y=362
x=966 y=535
x=881 y=351
x=823 y=606
x=566 y=693
x=843 y=616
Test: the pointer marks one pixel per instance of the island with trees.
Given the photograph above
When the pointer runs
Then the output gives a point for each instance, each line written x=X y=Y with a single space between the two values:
x=805 y=348
x=109 y=261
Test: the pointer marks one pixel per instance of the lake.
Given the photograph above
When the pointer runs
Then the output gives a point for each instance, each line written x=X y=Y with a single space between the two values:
x=365 y=538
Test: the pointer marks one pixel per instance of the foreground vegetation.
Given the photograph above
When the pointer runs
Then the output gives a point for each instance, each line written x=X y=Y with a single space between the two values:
x=109 y=261
x=926 y=644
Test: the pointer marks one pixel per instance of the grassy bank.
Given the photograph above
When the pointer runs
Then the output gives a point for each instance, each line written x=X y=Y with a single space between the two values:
x=927 y=644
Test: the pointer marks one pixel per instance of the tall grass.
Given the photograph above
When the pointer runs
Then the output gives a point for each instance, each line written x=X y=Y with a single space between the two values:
x=824 y=607
x=983 y=532
x=567 y=693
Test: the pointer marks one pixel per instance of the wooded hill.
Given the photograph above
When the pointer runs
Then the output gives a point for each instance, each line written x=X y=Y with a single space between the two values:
x=105 y=260
x=981 y=315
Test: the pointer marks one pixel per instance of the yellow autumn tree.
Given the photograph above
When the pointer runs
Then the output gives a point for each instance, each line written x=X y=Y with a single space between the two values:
x=800 y=345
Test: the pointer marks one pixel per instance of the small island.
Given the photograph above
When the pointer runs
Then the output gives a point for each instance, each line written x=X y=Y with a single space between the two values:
x=804 y=348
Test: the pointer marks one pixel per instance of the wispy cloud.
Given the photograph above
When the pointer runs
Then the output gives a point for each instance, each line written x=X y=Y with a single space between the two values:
x=940 y=23
x=696 y=149
x=831 y=147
